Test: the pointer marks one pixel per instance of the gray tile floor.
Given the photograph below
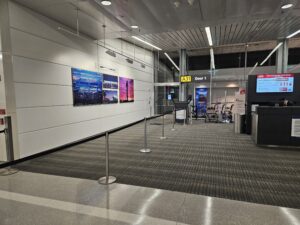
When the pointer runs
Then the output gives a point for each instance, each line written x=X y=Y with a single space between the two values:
x=39 y=199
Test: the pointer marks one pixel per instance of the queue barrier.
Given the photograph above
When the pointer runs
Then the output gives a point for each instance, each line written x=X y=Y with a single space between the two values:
x=108 y=179
x=145 y=149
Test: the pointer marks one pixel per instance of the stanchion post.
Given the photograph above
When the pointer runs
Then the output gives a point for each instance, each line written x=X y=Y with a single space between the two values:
x=163 y=137
x=191 y=115
x=174 y=120
x=9 y=147
x=145 y=149
x=107 y=179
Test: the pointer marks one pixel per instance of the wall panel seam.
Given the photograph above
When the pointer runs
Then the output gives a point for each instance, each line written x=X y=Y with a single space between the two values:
x=69 y=66
x=83 y=121
x=99 y=105
x=71 y=47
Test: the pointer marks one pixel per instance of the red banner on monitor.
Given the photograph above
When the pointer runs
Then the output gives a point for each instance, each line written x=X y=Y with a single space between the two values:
x=284 y=75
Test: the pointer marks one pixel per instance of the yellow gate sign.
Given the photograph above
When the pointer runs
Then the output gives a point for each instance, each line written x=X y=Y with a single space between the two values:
x=185 y=79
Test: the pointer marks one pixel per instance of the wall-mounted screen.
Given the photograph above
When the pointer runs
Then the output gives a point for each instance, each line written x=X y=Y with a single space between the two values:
x=126 y=90
x=275 y=83
x=87 y=87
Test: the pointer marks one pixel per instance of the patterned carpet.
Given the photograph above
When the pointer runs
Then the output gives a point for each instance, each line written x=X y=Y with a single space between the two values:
x=206 y=159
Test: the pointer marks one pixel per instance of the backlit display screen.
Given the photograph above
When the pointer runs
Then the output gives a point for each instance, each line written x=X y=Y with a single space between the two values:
x=275 y=83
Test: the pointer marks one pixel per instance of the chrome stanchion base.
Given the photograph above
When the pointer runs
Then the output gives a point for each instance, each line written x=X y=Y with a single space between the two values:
x=173 y=129
x=105 y=181
x=147 y=150
x=163 y=138
x=8 y=171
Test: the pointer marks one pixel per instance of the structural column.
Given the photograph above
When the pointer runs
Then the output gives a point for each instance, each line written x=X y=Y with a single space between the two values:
x=155 y=80
x=183 y=71
x=282 y=57
x=7 y=80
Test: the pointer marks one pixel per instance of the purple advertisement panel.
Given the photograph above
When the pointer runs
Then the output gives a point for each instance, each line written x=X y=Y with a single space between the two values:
x=126 y=90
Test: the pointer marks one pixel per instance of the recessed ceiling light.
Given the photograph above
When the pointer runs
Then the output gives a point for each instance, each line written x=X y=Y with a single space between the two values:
x=271 y=53
x=208 y=34
x=134 y=27
x=293 y=34
x=286 y=6
x=106 y=2
x=174 y=64
x=147 y=43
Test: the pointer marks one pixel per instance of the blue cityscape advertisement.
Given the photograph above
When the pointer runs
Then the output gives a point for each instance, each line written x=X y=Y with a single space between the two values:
x=110 y=96
x=201 y=101
x=87 y=87
x=110 y=82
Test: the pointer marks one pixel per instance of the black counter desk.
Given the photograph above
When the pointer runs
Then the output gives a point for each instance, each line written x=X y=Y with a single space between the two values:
x=273 y=125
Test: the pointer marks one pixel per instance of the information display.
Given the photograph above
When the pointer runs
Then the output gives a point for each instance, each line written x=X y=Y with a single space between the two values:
x=87 y=87
x=275 y=83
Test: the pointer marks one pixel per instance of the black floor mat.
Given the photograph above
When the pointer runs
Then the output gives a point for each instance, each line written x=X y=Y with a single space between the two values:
x=206 y=159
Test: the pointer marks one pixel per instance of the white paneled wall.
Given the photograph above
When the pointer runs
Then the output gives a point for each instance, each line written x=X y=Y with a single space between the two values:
x=2 y=105
x=42 y=62
x=2 y=88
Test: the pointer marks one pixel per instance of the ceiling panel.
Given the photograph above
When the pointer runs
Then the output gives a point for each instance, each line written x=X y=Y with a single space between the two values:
x=175 y=24
x=158 y=16
x=90 y=17
x=222 y=35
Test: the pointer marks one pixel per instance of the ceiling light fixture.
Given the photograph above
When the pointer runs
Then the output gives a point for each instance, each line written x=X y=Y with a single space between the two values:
x=129 y=60
x=287 y=6
x=147 y=43
x=254 y=67
x=134 y=27
x=271 y=53
x=106 y=2
x=293 y=34
x=166 y=54
x=208 y=34
x=111 y=53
